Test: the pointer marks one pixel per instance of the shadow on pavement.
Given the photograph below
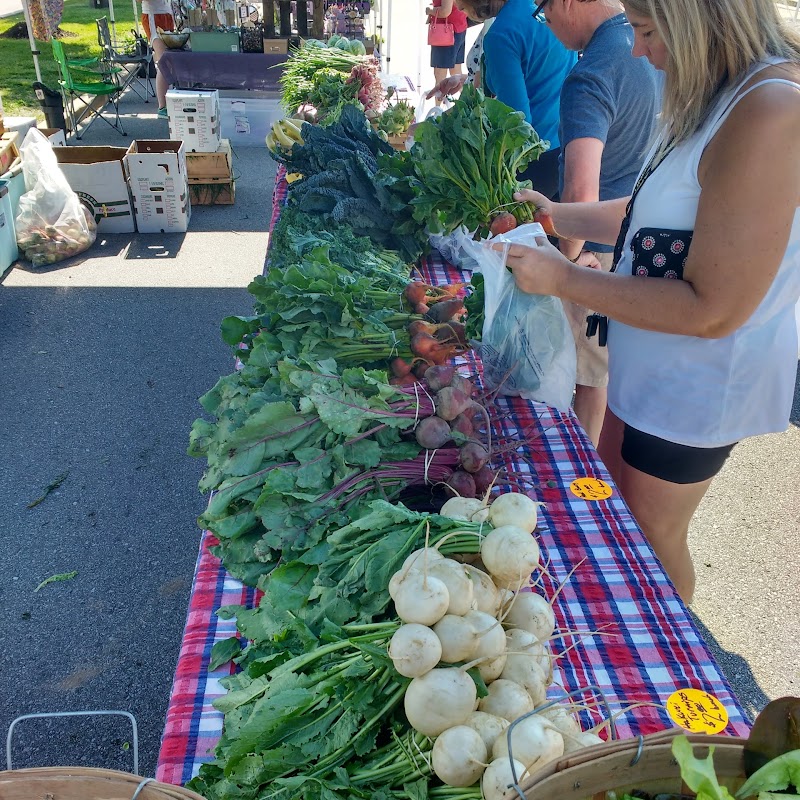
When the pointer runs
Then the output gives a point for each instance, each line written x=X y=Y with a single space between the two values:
x=736 y=670
x=795 y=415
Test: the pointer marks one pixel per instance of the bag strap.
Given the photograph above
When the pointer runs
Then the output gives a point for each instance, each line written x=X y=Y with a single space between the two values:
x=652 y=165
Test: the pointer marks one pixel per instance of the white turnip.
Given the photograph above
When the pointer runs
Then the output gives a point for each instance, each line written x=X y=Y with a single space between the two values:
x=563 y=720
x=488 y=726
x=513 y=508
x=467 y=509
x=491 y=638
x=484 y=591
x=498 y=778
x=583 y=739
x=527 y=672
x=531 y=612
x=526 y=645
x=457 y=638
x=414 y=650
x=440 y=699
x=421 y=598
x=491 y=670
x=420 y=558
x=459 y=756
x=458 y=583
x=534 y=742
x=510 y=554
x=506 y=699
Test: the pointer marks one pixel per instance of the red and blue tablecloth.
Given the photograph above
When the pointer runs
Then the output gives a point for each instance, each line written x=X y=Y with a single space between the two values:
x=649 y=646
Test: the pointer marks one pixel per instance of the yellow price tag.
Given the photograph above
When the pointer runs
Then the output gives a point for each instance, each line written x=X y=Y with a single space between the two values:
x=697 y=711
x=591 y=489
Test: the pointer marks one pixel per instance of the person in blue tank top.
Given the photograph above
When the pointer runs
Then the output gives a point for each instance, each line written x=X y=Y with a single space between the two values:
x=524 y=66
x=701 y=307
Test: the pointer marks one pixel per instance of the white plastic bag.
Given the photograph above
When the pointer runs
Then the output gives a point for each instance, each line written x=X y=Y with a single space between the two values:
x=527 y=347
x=52 y=224
x=453 y=249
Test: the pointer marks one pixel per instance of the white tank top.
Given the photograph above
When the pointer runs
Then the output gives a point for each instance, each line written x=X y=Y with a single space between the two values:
x=705 y=392
x=156 y=7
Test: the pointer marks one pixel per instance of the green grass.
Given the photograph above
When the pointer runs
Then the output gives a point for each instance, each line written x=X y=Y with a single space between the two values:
x=16 y=62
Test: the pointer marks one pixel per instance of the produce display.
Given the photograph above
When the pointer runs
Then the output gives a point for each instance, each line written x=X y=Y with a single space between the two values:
x=403 y=646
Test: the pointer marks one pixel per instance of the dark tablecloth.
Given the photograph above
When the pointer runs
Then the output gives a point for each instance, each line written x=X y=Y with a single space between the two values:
x=186 y=70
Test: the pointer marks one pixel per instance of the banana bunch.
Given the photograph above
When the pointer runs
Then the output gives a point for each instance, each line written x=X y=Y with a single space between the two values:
x=284 y=134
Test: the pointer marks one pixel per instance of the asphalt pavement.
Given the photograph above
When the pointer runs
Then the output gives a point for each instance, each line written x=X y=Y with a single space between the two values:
x=104 y=357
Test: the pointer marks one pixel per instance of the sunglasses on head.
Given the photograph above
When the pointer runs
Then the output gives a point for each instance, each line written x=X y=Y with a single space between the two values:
x=539 y=8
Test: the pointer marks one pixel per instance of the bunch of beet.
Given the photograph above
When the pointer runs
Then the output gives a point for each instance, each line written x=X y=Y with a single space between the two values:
x=437 y=338
x=459 y=420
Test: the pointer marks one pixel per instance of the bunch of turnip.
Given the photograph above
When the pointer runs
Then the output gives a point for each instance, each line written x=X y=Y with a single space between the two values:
x=452 y=616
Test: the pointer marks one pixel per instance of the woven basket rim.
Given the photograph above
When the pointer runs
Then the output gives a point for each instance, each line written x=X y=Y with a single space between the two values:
x=123 y=780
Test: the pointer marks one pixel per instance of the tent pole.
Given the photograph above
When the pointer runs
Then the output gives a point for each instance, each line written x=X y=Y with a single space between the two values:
x=389 y=37
x=34 y=48
x=113 y=22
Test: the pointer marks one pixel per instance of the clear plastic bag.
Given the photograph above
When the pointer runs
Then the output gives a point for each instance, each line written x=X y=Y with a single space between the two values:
x=453 y=249
x=527 y=347
x=52 y=224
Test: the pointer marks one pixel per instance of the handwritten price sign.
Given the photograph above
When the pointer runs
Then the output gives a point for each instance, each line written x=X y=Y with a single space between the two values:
x=590 y=489
x=697 y=711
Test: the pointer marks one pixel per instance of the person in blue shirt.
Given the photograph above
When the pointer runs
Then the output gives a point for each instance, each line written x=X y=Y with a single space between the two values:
x=609 y=105
x=524 y=66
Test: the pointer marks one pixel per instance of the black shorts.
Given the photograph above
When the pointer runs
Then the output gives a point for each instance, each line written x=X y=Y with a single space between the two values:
x=676 y=463
x=448 y=57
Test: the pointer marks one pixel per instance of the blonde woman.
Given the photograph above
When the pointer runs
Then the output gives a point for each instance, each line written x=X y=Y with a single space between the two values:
x=701 y=333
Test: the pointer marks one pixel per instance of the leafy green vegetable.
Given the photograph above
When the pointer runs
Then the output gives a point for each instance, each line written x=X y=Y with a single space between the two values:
x=475 y=305
x=463 y=167
x=779 y=774
x=698 y=774
x=223 y=651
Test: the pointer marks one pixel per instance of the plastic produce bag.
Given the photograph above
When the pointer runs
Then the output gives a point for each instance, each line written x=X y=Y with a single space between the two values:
x=527 y=347
x=52 y=223
x=453 y=249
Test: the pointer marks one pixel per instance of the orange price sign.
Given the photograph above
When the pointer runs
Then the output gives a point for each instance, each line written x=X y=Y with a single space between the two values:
x=591 y=489
x=697 y=711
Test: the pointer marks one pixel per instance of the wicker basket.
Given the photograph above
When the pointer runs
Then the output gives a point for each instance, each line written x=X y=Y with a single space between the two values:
x=592 y=772
x=84 y=783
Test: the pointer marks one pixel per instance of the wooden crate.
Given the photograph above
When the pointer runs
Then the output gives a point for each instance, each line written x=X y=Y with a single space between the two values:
x=209 y=167
x=8 y=150
x=215 y=193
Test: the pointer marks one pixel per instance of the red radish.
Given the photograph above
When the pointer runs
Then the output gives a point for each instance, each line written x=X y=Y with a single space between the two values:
x=502 y=223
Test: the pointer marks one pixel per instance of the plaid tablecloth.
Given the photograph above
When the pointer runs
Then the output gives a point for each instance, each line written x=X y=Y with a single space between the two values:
x=649 y=646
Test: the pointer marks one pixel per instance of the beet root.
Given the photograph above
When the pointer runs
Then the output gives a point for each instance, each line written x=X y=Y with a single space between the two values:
x=451 y=402
x=463 y=425
x=473 y=456
x=460 y=484
x=432 y=433
x=484 y=478
x=438 y=377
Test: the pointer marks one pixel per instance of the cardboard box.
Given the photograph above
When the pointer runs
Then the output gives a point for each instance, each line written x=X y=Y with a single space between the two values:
x=212 y=194
x=8 y=151
x=207 y=167
x=55 y=136
x=194 y=118
x=247 y=116
x=97 y=176
x=214 y=41
x=16 y=185
x=157 y=176
x=276 y=46
x=8 y=237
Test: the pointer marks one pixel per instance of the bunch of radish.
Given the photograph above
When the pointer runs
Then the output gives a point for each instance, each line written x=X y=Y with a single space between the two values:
x=456 y=617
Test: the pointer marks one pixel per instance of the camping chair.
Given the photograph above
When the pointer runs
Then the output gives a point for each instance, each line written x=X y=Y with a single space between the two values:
x=136 y=68
x=78 y=83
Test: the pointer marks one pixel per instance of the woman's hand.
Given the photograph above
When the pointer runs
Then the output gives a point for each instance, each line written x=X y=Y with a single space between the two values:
x=450 y=85
x=544 y=209
x=537 y=270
